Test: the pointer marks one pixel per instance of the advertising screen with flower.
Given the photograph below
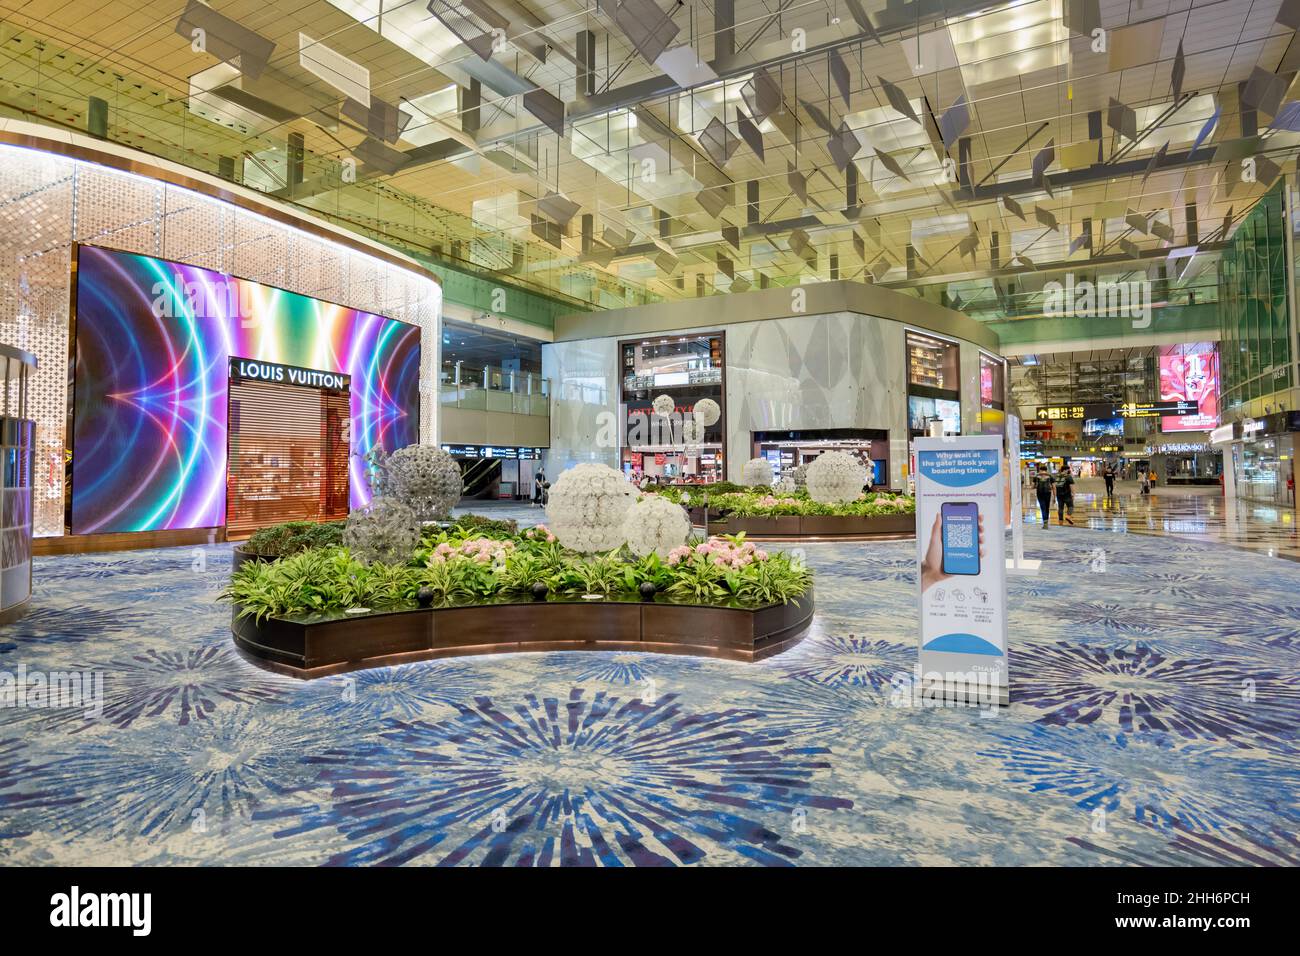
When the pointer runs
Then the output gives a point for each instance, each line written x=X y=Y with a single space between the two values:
x=1191 y=375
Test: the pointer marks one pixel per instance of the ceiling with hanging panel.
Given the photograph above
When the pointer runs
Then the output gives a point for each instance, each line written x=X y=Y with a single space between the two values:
x=968 y=152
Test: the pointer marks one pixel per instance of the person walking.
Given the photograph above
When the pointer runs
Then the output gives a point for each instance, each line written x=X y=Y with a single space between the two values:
x=1108 y=475
x=1043 y=488
x=1145 y=478
x=1064 y=496
x=539 y=487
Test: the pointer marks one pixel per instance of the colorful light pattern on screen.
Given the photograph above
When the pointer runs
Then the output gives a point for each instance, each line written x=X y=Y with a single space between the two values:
x=153 y=343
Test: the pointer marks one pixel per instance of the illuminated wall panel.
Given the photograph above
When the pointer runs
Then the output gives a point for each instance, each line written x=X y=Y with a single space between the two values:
x=1190 y=373
x=153 y=344
x=49 y=202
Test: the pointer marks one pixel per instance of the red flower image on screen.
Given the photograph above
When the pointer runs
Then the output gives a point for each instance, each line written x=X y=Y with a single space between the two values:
x=986 y=386
x=1192 y=377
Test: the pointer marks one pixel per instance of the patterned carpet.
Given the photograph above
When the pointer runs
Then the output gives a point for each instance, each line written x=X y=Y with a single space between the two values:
x=1155 y=720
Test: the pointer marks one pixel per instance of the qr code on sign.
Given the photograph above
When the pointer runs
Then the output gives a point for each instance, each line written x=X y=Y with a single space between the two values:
x=959 y=536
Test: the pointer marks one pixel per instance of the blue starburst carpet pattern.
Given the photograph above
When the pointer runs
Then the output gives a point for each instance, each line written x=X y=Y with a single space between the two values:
x=1155 y=719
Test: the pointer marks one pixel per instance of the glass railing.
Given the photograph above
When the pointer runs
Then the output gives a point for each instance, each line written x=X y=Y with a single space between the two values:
x=493 y=389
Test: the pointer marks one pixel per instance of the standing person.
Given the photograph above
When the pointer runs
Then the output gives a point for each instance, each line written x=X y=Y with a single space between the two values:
x=1043 y=488
x=539 y=485
x=1108 y=474
x=1145 y=477
x=1065 y=496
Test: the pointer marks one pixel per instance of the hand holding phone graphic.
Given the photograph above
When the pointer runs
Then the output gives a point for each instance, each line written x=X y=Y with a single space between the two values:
x=956 y=543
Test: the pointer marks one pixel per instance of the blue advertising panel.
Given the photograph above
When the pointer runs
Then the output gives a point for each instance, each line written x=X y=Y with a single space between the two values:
x=961 y=569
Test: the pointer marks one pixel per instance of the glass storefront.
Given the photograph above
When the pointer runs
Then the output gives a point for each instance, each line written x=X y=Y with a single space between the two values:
x=1185 y=459
x=1192 y=468
x=1263 y=467
x=932 y=387
x=786 y=450
x=673 y=447
x=992 y=395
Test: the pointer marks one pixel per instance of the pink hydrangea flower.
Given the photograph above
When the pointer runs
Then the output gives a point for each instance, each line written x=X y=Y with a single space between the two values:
x=679 y=554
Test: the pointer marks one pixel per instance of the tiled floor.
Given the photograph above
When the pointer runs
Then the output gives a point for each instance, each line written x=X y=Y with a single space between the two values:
x=1155 y=719
x=1193 y=514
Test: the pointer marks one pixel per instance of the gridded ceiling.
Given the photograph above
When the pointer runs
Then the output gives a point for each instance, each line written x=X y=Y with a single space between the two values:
x=1085 y=357
x=1073 y=378
x=964 y=149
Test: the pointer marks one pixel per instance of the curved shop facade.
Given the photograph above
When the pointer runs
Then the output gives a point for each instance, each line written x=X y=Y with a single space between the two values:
x=794 y=372
x=232 y=362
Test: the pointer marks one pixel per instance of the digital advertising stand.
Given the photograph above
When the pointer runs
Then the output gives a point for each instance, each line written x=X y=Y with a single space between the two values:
x=961 y=569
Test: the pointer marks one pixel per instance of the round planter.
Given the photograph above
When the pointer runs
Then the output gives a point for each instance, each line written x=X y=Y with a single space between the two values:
x=239 y=557
x=319 y=646
x=821 y=527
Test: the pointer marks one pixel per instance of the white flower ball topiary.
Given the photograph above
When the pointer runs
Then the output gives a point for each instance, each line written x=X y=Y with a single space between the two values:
x=426 y=478
x=785 y=486
x=587 y=506
x=707 y=411
x=664 y=405
x=692 y=431
x=835 y=477
x=799 y=476
x=655 y=524
x=756 y=471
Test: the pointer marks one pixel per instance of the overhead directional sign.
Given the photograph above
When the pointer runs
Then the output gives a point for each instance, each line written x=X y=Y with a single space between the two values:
x=1121 y=410
x=1152 y=409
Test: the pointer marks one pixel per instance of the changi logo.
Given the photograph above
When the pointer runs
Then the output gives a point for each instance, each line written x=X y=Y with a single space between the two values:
x=1086 y=299
x=103 y=909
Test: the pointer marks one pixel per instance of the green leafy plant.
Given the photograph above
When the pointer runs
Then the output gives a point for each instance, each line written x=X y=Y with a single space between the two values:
x=551 y=554
x=482 y=526
x=774 y=581
x=313 y=581
x=292 y=537
x=330 y=580
x=522 y=571
x=697 y=580
x=602 y=574
x=448 y=580
x=751 y=505
x=650 y=568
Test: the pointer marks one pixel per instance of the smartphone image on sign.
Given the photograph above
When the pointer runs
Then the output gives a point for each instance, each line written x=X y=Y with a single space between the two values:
x=961 y=537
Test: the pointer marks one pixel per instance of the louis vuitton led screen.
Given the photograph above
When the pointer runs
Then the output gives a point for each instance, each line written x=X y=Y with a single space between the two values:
x=153 y=346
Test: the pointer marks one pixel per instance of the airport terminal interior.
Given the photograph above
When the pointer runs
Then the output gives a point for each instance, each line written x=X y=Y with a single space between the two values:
x=649 y=433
